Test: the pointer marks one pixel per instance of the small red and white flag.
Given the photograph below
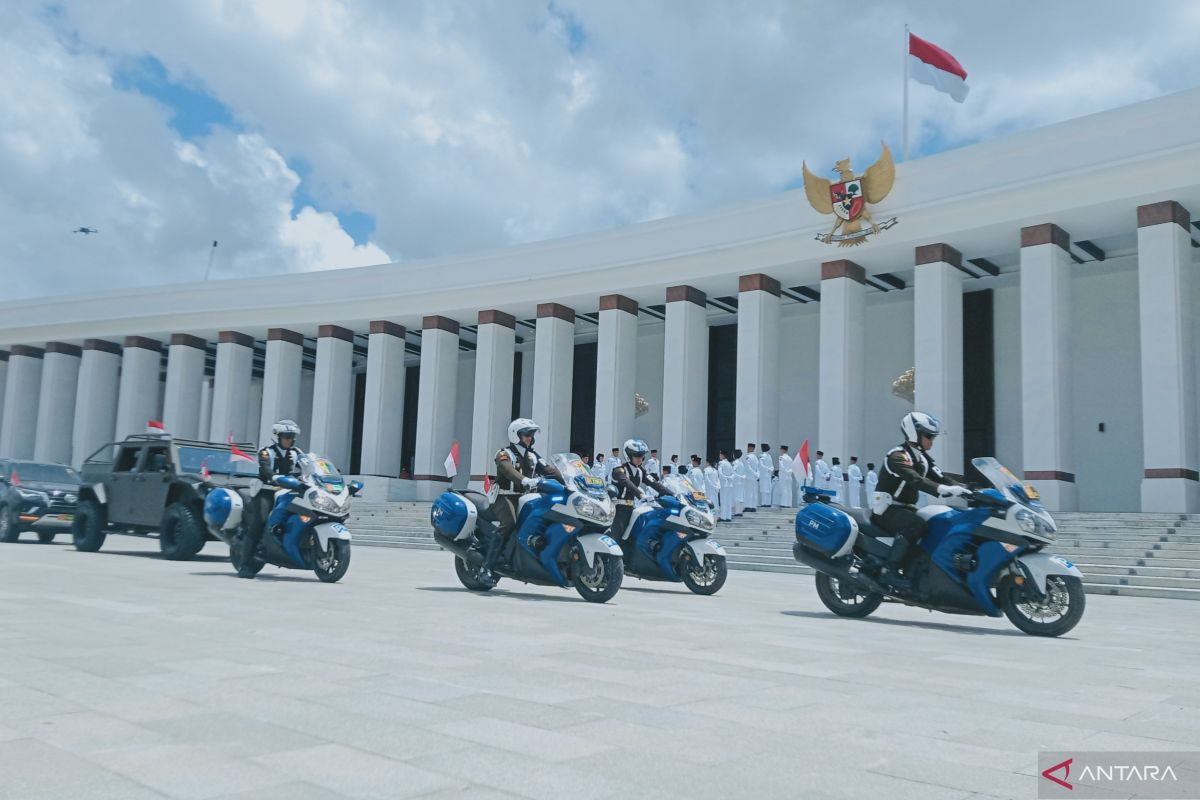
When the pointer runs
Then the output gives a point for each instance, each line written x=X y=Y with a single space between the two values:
x=238 y=454
x=155 y=426
x=487 y=484
x=204 y=473
x=452 y=461
x=804 y=461
x=933 y=66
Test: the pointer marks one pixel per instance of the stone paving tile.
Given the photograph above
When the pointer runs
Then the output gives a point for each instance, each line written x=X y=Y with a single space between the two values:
x=34 y=769
x=353 y=773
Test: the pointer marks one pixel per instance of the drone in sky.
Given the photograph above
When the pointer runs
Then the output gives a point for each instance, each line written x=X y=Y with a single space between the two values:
x=85 y=231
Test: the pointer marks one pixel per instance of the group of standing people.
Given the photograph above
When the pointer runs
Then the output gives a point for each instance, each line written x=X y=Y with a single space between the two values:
x=846 y=484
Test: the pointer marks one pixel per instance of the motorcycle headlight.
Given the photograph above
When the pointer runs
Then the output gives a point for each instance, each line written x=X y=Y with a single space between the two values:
x=591 y=509
x=698 y=520
x=321 y=502
x=1026 y=521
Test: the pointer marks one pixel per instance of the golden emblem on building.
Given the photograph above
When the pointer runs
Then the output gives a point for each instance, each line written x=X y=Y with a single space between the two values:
x=847 y=199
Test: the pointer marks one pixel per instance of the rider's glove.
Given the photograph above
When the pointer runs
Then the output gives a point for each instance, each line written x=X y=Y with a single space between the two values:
x=530 y=483
x=952 y=490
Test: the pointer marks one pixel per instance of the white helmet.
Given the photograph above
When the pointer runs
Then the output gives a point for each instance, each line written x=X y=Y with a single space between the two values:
x=285 y=427
x=635 y=447
x=916 y=423
x=520 y=426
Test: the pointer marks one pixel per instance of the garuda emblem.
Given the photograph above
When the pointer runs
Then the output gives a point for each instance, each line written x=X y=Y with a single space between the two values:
x=847 y=199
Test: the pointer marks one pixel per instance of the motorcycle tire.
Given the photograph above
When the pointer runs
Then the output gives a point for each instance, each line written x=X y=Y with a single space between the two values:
x=10 y=530
x=855 y=609
x=697 y=580
x=46 y=537
x=469 y=578
x=181 y=535
x=89 y=528
x=237 y=556
x=1017 y=607
x=338 y=556
x=599 y=583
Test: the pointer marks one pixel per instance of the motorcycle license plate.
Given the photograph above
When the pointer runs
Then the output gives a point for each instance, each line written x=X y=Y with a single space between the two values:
x=66 y=517
x=340 y=528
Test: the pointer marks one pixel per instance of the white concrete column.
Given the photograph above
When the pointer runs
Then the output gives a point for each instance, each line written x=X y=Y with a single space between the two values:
x=436 y=399
x=137 y=398
x=1171 y=479
x=553 y=375
x=206 y=391
x=185 y=376
x=757 y=418
x=56 y=407
x=3 y=381
x=231 y=387
x=282 y=365
x=938 y=347
x=96 y=398
x=616 y=371
x=494 y=351
x=843 y=359
x=383 y=407
x=1046 y=365
x=685 y=372
x=333 y=395
x=18 y=430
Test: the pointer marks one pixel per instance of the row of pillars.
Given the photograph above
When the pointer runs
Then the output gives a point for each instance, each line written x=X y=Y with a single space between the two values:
x=108 y=390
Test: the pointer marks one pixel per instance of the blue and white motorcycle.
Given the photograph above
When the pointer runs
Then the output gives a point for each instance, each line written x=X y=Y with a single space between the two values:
x=306 y=528
x=560 y=538
x=985 y=559
x=667 y=540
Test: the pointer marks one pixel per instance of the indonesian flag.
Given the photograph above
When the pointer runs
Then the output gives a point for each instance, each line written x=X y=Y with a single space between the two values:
x=154 y=426
x=452 y=461
x=933 y=66
x=804 y=461
x=238 y=454
x=487 y=484
x=204 y=473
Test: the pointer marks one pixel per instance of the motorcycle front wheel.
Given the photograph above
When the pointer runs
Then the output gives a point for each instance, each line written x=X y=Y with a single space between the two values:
x=330 y=565
x=846 y=600
x=600 y=582
x=1052 y=615
x=706 y=578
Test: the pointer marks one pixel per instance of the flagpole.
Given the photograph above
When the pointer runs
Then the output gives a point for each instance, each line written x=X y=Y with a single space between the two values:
x=904 y=134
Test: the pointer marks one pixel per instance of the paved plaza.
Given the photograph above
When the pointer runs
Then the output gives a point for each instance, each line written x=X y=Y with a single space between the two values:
x=124 y=676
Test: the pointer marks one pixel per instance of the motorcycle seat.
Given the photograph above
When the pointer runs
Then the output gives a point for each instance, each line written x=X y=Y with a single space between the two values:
x=482 y=505
x=863 y=517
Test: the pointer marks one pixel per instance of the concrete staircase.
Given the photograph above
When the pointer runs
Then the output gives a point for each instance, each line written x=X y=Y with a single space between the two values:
x=1142 y=555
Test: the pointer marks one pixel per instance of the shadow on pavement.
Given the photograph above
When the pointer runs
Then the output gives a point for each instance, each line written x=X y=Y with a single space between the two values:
x=261 y=577
x=905 y=623
x=157 y=555
x=503 y=593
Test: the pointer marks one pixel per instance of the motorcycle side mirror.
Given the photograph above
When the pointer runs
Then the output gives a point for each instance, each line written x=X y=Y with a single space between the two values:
x=355 y=487
x=288 y=482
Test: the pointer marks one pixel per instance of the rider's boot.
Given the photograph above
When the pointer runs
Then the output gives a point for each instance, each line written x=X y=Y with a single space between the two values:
x=891 y=571
x=495 y=540
x=246 y=570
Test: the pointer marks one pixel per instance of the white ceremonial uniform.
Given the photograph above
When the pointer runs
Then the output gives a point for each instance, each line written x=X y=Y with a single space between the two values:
x=610 y=463
x=654 y=468
x=739 y=486
x=598 y=470
x=751 y=465
x=726 y=495
x=766 y=478
x=854 y=485
x=837 y=484
x=712 y=486
x=821 y=475
x=872 y=481
x=783 y=490
x=695 y=477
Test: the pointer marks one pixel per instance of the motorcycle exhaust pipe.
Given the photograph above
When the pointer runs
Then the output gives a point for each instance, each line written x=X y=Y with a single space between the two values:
x=473 y=557
x=834 y=569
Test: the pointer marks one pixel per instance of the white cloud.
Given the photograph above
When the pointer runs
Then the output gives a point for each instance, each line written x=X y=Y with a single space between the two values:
x=464 y=125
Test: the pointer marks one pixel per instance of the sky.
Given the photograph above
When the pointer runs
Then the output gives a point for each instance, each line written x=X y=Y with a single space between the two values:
x=302 y=134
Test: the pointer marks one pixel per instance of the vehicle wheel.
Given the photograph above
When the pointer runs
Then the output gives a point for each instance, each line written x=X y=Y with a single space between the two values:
x=706 y=578
x=1053 y=615
x=46 y=537
x=598 y=584
x=469 y=577
x=330 y=565
x=88 y=529
x=858 y=605
x=181 y=535
x=9 y=529
x=237 y=554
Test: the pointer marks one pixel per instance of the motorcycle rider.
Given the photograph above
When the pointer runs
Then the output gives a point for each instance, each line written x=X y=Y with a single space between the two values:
x=519 y=469
x=278 y=458
x=907 y=471
x=628 y=479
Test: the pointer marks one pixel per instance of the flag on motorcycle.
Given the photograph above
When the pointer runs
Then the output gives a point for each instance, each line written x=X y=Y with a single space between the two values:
x=238 y=454
x=804 y=461
x=452 y=460
x=204 y=473
x=487 y=484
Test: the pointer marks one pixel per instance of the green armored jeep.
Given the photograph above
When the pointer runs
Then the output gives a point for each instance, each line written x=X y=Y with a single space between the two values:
x=156 y=484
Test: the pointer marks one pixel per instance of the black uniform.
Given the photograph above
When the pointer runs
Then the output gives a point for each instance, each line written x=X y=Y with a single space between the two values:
x=272 y=460
x=628 y=479
x=907 y=471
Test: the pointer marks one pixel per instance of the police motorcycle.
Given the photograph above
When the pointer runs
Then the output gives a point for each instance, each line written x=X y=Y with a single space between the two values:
x=560 y=537
x=985 y=559
x=667 y=540
x=310 y=509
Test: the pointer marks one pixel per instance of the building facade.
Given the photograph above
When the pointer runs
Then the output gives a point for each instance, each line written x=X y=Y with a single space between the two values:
x=1041 y=285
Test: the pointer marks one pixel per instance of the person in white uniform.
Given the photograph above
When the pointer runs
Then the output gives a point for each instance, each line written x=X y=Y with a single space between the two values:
x=871 y=480
x=612 y=462
x=598 y=469
x=854 y=482
x=783 y=489
x=725 y=496
x=752 y=466
x=696 y=475
x=766 y=476
x=821 y=473
x=836 y=482
x=653 y=467
x=740 y=481
x=712 y=486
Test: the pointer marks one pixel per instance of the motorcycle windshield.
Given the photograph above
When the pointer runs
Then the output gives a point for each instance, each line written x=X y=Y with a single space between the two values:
x=575 y=474
x=1005 y=482
x=686 y=493
x=321 y=471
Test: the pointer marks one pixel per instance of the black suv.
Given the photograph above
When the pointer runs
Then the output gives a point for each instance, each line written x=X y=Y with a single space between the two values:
x=36 y=497
x=155 y=483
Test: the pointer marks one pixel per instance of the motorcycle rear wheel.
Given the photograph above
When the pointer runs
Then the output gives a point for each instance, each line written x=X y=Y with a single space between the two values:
x=469 y=577
x=1053 y=615
x=237 y=555
x=856 y=607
